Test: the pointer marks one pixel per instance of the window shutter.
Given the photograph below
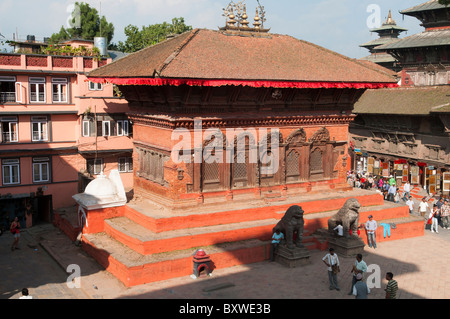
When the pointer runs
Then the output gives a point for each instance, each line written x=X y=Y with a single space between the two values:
x=99 y=128
x=19 y=92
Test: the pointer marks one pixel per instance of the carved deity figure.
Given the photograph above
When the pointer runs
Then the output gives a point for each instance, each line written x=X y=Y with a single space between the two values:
x=292 y=224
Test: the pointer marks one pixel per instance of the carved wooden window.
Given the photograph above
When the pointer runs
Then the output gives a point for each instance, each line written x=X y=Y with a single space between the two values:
x=151 y=165
x=240 y=166
x=316 y=161
x=211 y=172
x=292 y=164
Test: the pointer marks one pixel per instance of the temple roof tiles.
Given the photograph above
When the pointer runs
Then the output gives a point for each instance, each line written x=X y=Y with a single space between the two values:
x=430 y=5
x=404 y=101
x=208 y=54
x=439 y=37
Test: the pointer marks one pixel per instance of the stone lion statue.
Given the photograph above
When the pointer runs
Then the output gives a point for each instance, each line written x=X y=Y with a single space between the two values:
x=348 y=217
x=292 y=223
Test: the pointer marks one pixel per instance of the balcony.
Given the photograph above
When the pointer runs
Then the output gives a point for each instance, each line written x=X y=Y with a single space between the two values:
x=8 y=137
x=7 y=97
x=50 y=62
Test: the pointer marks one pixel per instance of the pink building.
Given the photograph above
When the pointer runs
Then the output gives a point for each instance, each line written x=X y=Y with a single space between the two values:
x=58 y=132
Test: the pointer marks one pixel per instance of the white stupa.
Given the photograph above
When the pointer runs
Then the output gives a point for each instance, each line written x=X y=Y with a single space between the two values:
x=103 y=192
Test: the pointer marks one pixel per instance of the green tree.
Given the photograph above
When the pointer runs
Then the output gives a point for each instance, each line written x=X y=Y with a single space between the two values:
x=150 y=35
x=444 y=2
x=86 y=24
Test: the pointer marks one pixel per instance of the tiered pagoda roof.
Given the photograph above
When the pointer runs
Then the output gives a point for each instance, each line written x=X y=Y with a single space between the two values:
x=388 y=32
x=214 y=58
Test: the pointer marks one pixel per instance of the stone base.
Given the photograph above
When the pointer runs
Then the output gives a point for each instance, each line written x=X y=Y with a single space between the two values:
x=292 y=258
x=346 y=247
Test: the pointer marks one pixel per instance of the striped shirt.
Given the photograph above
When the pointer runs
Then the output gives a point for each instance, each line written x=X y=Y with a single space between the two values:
x=392 y=288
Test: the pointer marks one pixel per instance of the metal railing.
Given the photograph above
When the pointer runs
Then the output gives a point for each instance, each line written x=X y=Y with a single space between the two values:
x=8 y=137
x=6 y=97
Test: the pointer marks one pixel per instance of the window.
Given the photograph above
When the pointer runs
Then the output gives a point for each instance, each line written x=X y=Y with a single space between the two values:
x=41 y=169
x=9 y=129
x=95 y=166
x=10 y=90
x=152 y=165
x=37 y=90
x=88 y=126
x=95 y=86
x=106 y=128
x=39 y=129
x=125 y=164
x=11 y=171
x=59 y=89
x=122 y=128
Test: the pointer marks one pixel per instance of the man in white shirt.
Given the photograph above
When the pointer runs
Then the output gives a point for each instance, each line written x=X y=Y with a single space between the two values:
x=423 y=207
x=406 y=190
x=371 y=227
x=340 y=230
x=410 y=204
x=332 y=261
x=391 y=192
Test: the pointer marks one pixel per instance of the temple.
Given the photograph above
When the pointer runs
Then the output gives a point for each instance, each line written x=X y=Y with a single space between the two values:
x=231 y=127
x=388 y=32
x=249 y=85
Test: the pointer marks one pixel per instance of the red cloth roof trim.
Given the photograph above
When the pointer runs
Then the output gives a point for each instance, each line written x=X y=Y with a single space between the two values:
x=255 y=84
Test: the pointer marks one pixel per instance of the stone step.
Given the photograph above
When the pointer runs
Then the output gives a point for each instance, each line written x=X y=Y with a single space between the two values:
x=133 y=268
x=160 y=220
x=146 y=242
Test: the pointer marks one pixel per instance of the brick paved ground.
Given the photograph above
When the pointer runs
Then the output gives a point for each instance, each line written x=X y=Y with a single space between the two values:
x=419 y=265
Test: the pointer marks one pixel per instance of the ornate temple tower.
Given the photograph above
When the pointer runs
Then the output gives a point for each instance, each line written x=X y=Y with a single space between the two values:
x=424 y=57
x=241 y=99
x=388 y=33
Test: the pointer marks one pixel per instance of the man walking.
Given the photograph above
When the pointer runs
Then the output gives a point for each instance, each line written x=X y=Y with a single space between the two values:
x=445 y=214
x=391 y=192
x=371 y=227
x=359 y=268
x=360 y=289
x=410 y=204
x=332 y=262
x=392 y=286
x=406 y=190
x=423 y=207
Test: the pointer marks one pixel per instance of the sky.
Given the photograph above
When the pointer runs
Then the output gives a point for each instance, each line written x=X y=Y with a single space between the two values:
x=338 y=25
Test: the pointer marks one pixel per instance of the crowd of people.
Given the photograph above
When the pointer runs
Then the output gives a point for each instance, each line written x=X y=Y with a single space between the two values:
x=386 y=185
x=436 y=214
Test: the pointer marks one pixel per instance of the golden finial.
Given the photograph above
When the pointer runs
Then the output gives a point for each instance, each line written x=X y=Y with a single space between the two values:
x=244 y=17
x=237 y=19
x=257 y=23
x=231 y=17
x=389 y=20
